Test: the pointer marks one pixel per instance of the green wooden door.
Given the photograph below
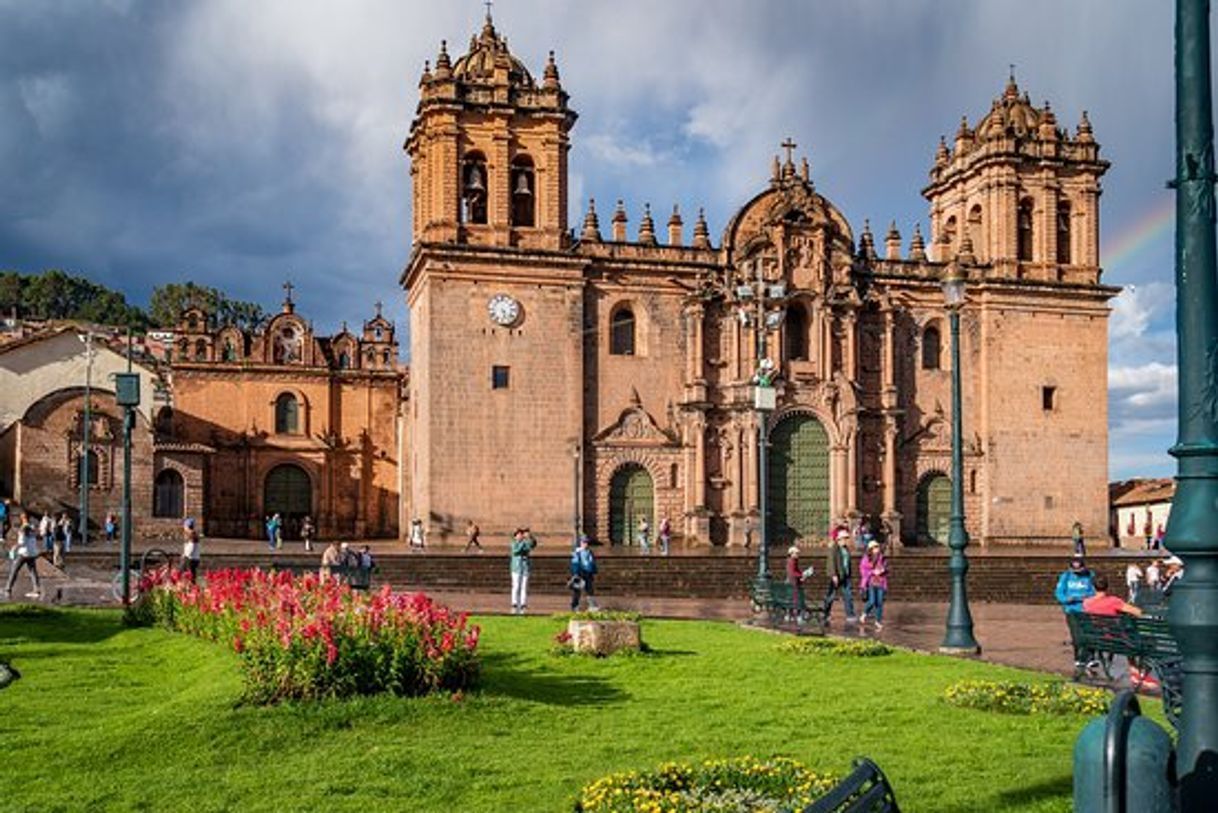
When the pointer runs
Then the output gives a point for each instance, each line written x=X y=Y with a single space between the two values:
x=631 y=496
x=934 y=509
x=288 y=493
x=798 y=488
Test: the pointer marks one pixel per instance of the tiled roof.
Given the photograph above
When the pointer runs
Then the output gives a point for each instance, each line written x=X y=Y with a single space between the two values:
x=1141 y=492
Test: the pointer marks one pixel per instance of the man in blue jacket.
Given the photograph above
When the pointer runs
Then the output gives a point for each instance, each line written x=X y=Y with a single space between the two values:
x=583 y=574
x=1073 y=586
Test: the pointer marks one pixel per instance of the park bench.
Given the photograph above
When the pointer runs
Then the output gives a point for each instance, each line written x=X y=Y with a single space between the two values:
x=865 y=790
x=1145 y=641
x=782 y=601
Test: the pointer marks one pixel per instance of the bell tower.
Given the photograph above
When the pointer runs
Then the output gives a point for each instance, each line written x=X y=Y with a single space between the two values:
x=488 y=150
x=1023 y=191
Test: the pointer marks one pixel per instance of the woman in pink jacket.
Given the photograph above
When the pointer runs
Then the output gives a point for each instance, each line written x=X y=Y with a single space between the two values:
x=874 y=570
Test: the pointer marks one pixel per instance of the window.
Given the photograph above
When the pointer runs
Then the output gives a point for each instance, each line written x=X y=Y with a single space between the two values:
x=1024 y=229
x=385 y=357
x=1063 y=232
x=972 y=482
x=499 y=377
x=230 y=352
x=192 y=323
x=621 y=333
x=92 y=468
x=287 y=414
x=1050 y=503
x=378 y=333
x=1048 y=398
x=974 y=227
x=523 y=192
x=797 y=333
x=949 y=233
x=200 y=350
x=473 y=188
x=344 y=360
x=931 y=348
x=167 y=495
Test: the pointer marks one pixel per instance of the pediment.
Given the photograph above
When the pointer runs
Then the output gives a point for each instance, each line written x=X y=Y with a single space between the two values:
x=634 y=427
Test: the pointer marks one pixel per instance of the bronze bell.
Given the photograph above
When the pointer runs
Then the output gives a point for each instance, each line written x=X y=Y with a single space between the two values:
x=474 y=182
x=522 y=185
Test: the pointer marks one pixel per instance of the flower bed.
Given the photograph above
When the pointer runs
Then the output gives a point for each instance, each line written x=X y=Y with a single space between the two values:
x=741 y=785
x=850 y=647
x=1027 y=698
x=301 y=637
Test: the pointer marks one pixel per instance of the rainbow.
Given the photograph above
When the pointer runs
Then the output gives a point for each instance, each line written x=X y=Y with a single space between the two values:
x=1143 y=237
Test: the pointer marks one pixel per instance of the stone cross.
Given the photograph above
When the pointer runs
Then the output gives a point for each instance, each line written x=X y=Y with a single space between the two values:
x=789 y=146
x=288 y=287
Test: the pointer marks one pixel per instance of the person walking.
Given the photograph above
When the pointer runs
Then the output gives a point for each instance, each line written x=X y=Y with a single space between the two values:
x=110 y=527
x=472 y=532
x=874 y=584
x=272 y=531
x=417 y=540
x=24 y=554
x=1076 y=536
x=583 y=575
x=795 y=578
x=307 y=531
x=4 y=520
x=1159 y=534
x=644 y=535
x=59 y=536
x=665 y=536
x=520 y=565
x=46 y=532
x=69 y=532
x=330 y=558
x=838 y=570
x=1154 y=574
x=1133 y=580
x=189 y=562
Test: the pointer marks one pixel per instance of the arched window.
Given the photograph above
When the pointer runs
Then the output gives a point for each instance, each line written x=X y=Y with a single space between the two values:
x=200 y=350
x=974 y=227
x=287 y=414
x=931 y=348
x=949 y=233
x=92 y=467
x=230 y=352
x=344 y=360
x=1024 y=230
x=168 y=495
x=1063 y=232
x=473 y=188
x=797 y=333
x=385 y=357
x=192 y=323
x=621 y=332
x=523 y=192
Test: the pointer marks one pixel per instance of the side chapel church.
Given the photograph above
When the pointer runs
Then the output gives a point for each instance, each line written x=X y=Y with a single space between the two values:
x=559 y=374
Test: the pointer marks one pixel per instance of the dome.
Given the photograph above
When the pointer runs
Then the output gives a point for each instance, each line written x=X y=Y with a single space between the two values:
x=488 y=52
x=1010 y=113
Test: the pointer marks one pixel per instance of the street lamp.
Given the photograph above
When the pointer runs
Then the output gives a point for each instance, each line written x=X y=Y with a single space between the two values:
x=959 y=638
x=762 y=306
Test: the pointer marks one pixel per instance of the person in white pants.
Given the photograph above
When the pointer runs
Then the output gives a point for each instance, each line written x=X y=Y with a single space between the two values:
x=521 y=563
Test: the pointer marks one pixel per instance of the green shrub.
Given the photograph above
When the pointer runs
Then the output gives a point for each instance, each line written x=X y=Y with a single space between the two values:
x=848 y=647
x=1008 y=697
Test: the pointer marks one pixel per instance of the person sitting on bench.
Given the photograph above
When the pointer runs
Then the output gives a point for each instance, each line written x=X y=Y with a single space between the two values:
x=1102 y=603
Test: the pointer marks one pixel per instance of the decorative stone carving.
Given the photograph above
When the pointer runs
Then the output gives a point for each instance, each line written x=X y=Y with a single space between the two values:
x=635 y=427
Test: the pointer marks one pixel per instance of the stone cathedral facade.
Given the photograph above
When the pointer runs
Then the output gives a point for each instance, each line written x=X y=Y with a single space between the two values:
x=586 y=375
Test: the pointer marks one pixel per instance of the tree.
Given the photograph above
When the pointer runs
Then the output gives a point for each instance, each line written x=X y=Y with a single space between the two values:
x=55 y=294
x=170 y=300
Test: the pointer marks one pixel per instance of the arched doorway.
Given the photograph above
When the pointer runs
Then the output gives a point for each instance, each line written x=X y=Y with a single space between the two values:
x=797 y=494
x=934 y=509
x=289 y=493
x=631 y=495
x=168 y=498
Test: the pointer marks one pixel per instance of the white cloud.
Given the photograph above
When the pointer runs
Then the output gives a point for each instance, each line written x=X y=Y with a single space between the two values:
x=1134 y=309
x=616 y=152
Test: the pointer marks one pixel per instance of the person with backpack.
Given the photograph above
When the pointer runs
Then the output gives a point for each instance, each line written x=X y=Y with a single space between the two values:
x=874 y=572
x=24 y=554
x=583 y=575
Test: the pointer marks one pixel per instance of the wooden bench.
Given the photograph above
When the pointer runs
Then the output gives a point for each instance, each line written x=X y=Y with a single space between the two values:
x=865 y=790
x=783 y=602
x=1145 y=641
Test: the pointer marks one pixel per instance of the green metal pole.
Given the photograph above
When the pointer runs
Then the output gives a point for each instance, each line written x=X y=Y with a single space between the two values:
x=125 y=555
x=84 y=441
x=959 y=636
x=1193 y=613
x=763 y=537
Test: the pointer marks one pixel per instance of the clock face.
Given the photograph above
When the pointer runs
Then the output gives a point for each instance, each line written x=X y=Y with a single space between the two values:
x=503 y=309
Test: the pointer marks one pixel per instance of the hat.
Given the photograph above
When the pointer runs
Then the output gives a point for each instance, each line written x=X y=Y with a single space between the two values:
x=1173 y=561
x=872 y=544
x=344 y=546
x=842 y=533
x=189 y=524
x=793 y=550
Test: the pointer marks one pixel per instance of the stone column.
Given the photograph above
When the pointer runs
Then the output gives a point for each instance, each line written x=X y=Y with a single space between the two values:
x=837 y=481
x=850 y=362
x=852 y=471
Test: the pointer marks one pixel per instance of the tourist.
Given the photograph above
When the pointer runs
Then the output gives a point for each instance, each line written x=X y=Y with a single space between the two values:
x=1159 y=534
x=111 y=526
x=189 y=562
x=665 y=536
x=69 y=532
x=874 y=584
x=472 y=532
x=46 y=532
x=1148 y=531
x=366 y=560
x=307 y=530
x=583 y=575
x=644 y=534
x=417 y=540
x=4 y=520
x=520 y=564
x=1154 y=574
x=273 y=537
x=330 y=558
x=1175 y=571
x=348 y=560
x=1133 y=580
x=1073 y=586
x=24 y=553
x=838 y=571
x=58 y=537
x=1076 y=536
x=1101 y=603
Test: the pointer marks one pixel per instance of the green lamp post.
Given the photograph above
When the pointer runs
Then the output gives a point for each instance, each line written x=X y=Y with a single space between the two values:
x=958 y=639
x=1193 y=613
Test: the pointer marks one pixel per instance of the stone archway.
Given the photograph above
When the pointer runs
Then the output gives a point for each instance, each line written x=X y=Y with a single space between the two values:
x=934 y=509
x=631 y=495
x=797 y=494
x=288 y=491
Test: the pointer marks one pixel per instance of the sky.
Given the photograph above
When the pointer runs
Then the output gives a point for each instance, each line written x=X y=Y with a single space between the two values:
x=243 y=144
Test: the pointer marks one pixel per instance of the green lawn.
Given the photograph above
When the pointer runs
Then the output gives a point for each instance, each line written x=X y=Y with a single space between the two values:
x=107 y=718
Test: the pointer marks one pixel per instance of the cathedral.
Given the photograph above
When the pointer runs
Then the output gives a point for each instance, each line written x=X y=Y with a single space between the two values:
x=577 y=379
